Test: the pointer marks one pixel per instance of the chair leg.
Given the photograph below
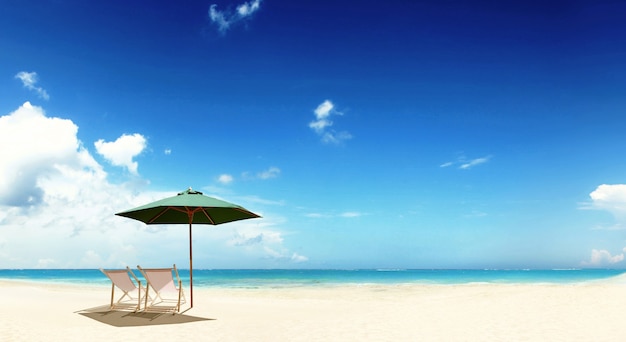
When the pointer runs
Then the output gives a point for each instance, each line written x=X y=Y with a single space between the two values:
x=112 y=295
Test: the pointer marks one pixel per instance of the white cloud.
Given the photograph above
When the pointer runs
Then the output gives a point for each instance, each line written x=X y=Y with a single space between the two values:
x=615 y=226
x=264 y=243
x=254 y=236
x=347 y=214
x=29 y=80
x=282 y=255
x=335 y=137
x=475 y=214
x=225 y=179
x=601 y=257
x=226 y=19
x=465 y=164
x=610 y=197
x=297 y=258
x=316 y=215
x=322 y=123
x=122 y=151
x=167 y=151
x=272 y=172
x=351 y=214
x=39 y=144
x=474 y=162
x=323 y=110
x=57 y=209
x=248 y=8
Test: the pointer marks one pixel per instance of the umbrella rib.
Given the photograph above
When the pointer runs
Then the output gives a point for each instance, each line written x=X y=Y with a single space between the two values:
x=205 y=214
x=158 y=215
x=247 y=212
x=165 y=209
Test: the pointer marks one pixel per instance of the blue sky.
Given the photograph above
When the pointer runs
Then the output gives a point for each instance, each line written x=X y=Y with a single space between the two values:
x=403 y=134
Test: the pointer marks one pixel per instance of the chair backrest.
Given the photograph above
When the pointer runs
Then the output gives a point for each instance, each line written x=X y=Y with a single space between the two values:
x=160 y=278
x=121 y=279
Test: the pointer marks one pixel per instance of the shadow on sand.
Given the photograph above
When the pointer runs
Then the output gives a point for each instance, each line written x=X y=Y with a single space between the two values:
x=137 y=319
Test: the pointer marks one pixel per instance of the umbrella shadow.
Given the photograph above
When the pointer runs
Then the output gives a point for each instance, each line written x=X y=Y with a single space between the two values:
x=137 y=319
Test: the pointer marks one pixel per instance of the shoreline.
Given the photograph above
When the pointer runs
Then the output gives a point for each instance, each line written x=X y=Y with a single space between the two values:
x=253 y=279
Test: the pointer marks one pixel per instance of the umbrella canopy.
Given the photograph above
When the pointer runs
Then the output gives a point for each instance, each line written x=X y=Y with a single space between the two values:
x=189 y=207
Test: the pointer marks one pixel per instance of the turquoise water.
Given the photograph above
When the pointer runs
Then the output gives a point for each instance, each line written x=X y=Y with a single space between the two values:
x=298 y=278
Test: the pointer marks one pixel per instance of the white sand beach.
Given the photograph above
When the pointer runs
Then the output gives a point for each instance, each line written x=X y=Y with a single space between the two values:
x=473 y=312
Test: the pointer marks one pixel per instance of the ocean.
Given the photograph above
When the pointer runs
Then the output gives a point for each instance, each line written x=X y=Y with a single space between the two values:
x=280 y=278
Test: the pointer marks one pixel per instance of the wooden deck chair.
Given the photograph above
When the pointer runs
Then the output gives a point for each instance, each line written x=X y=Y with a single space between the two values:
x=131 y=293
x=167 y=297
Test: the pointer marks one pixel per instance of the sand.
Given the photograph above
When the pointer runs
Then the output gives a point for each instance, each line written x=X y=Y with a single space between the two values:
x=472 y=312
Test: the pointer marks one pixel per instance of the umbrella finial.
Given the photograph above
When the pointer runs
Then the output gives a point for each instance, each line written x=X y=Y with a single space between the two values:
x=190 y=191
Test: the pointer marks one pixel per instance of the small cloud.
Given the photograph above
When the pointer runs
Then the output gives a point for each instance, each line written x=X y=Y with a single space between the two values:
x=225 y=19
x=616 y=226
x=347 y=214
x=248 y=8
x=322 y=123
x=29 y=80
x=122 y=151
x=242 y=240
x=225 y=179
x=474 y=162
x=297 y=258
x=601 y=257
x=167 y=152
x=350 y=214
x=255 y=237
x=272 y=172
x=465 y=164
x=315 y=215
x=285 y=256
x=46 y=263
x=476 y=214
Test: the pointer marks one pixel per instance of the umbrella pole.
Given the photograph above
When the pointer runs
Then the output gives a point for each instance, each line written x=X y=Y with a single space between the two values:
x=190 y=266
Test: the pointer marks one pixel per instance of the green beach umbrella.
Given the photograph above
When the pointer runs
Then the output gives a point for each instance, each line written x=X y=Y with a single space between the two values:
x=189 y=207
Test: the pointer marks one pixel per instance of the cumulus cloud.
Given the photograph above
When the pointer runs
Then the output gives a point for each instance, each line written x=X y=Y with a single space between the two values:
x=122 y=151
x=466 y=164
x=39 y=146
x=29 y=80
x=601 y=257
x=54 y=197
x=224 y=20
x=610 y=197
x=57 y=208
x=322 y=124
